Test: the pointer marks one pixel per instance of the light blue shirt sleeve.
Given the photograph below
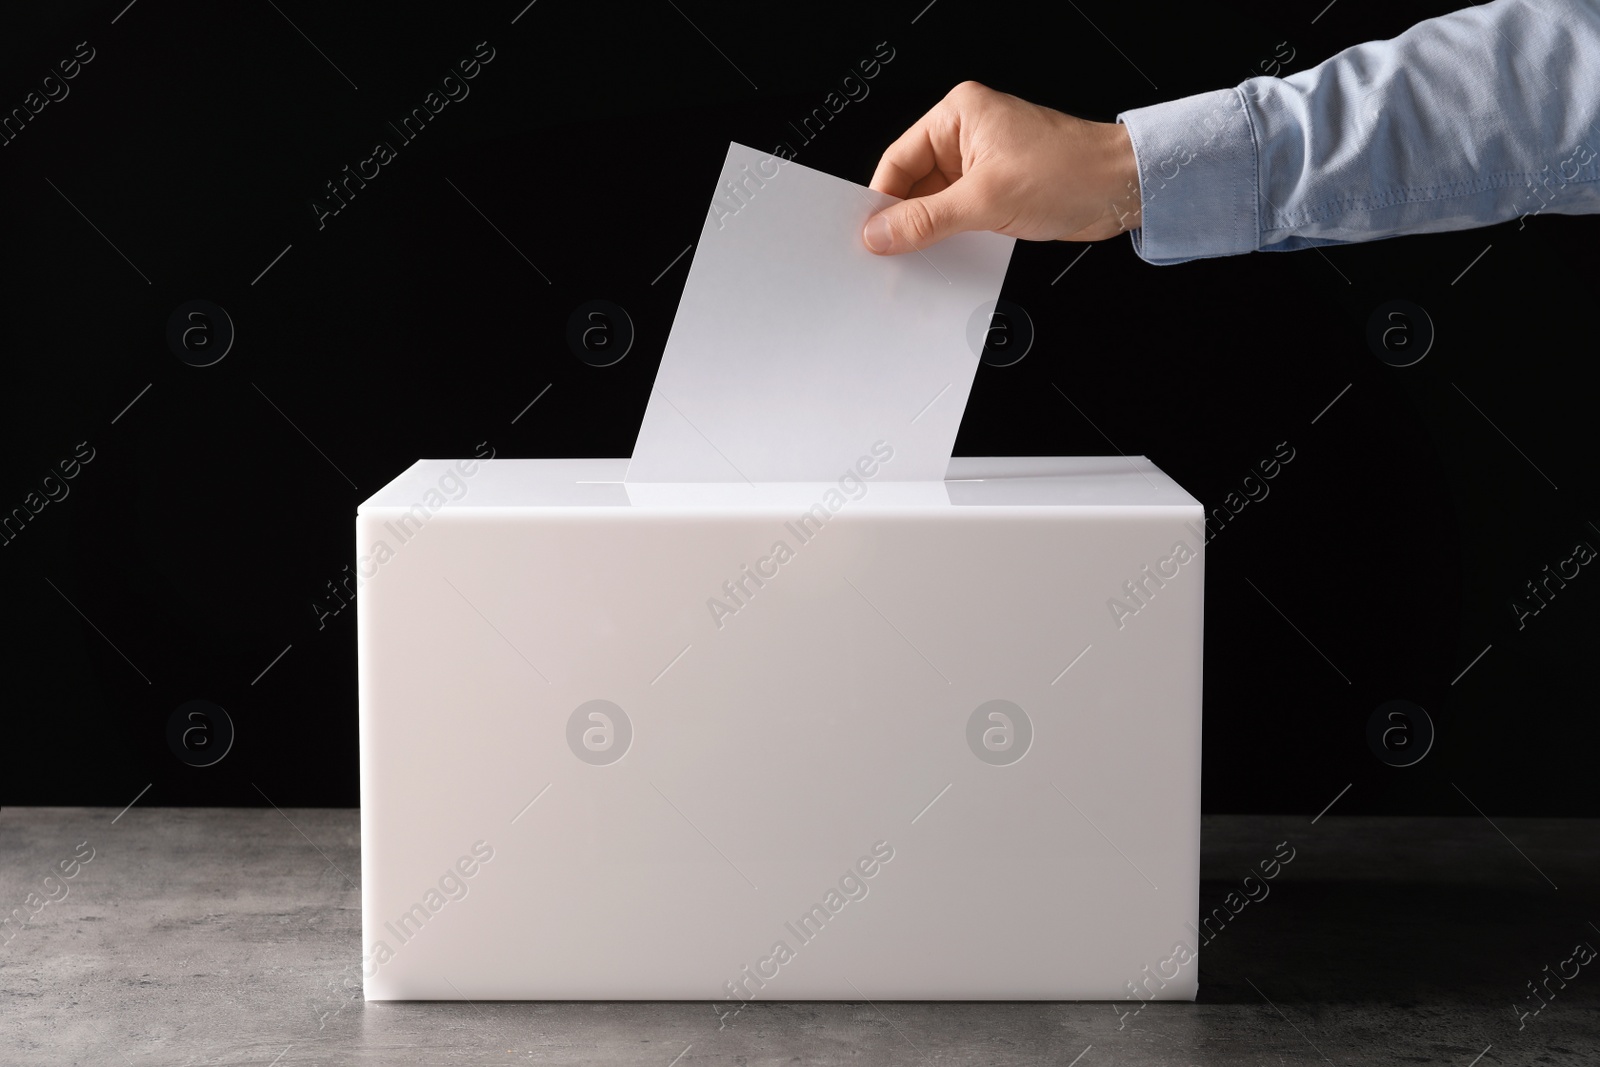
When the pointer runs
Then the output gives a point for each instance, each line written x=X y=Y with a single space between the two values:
x=1472 y=118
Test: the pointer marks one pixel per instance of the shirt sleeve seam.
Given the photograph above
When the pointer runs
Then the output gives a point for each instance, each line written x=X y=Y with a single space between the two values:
x=1255 y=152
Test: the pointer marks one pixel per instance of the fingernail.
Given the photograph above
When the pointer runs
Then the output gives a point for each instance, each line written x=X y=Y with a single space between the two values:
x=877 y=234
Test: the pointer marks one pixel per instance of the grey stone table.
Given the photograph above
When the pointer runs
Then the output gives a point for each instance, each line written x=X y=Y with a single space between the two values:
x=232 y=936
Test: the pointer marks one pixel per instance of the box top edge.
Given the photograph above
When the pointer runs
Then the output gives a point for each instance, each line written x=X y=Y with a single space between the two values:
x=1002 y=481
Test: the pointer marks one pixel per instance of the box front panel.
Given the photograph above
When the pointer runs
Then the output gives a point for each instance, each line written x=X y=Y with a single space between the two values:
x=621 y=753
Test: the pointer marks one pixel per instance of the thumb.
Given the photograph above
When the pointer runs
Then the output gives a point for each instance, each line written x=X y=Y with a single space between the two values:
x=914 y=224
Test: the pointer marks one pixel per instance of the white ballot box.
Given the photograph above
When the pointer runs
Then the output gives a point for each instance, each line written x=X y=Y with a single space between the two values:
x=834 y=740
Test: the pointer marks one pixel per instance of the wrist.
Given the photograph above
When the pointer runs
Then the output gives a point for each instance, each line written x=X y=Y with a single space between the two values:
x=1121 y=169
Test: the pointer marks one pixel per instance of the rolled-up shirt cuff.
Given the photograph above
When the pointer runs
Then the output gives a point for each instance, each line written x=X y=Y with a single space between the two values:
x=1198 y=176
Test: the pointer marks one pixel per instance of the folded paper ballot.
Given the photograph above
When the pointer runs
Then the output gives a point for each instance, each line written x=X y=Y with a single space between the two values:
x=795 y=348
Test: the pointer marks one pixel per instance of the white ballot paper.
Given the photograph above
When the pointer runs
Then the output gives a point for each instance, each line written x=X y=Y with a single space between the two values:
x=795 y=350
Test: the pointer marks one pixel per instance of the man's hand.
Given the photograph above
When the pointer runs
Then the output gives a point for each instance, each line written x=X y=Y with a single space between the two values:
x=985 y=160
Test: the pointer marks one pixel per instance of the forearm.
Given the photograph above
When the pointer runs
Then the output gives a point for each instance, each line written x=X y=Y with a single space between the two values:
x=1471 y=118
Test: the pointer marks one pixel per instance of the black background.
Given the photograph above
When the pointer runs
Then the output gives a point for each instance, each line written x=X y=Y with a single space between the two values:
x=192 y=549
